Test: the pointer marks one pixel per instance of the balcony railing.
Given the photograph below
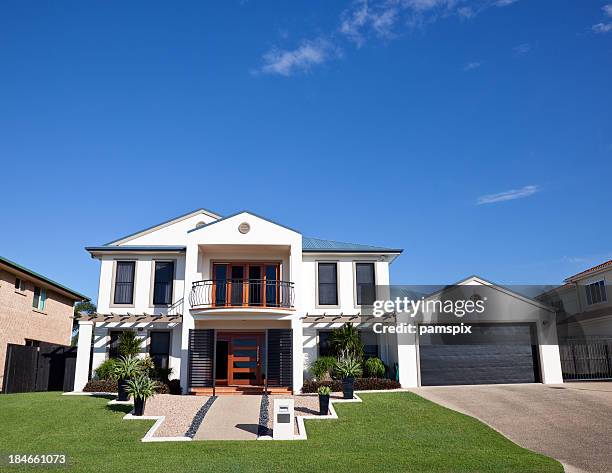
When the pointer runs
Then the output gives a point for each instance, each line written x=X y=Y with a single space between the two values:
x=223 y=293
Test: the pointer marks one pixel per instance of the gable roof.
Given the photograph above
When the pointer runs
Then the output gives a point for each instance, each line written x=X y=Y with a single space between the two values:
x=75 y=295
x=590 y=270
x=163 y=224
x=317 y=245
x=238 y=213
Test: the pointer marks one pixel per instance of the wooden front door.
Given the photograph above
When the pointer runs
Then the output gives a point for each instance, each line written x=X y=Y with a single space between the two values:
x=244 y=358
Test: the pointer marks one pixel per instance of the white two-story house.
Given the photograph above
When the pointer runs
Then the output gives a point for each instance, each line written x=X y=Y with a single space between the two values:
x=242 y=301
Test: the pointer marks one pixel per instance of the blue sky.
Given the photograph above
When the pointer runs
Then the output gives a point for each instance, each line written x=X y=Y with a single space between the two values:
x=477 y=135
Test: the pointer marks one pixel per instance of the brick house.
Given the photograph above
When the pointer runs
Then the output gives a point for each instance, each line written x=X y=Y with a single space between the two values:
x=33 y=308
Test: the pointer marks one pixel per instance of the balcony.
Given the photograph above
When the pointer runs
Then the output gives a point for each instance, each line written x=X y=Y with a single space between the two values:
x=242 y=293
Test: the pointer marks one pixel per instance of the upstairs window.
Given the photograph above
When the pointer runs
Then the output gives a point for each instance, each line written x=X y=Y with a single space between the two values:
x=124 y=282
x=19 y=285
x=162 y=287
x=365 y=284
x=596 y=293
x=328 y=283
x=40 y=298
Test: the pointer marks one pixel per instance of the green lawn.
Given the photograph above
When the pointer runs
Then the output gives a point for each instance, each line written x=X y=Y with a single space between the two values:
x=388 y=432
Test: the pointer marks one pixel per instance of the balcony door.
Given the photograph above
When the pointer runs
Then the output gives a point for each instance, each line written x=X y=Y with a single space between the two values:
x=246 y=284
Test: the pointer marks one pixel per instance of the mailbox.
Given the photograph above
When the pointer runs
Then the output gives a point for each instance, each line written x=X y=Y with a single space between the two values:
x=283 y=419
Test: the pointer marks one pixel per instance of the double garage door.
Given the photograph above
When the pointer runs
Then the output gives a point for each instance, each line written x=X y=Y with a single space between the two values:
x=491 y=354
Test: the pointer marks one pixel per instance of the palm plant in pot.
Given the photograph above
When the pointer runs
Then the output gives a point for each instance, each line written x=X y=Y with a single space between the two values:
x=126 y=368
x=141 y=388
x=324 y=392
x=348 y=369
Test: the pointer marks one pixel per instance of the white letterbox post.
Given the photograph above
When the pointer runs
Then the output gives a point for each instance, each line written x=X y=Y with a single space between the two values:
x=283 y=419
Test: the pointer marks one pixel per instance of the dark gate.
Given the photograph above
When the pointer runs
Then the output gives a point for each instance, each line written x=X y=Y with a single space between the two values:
x=586 y=358
x=280 y=357
x=47 y=367
x=201 y=358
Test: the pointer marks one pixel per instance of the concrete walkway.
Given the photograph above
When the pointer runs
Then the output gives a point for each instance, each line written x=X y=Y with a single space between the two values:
x=231 y=418
x=570 y=422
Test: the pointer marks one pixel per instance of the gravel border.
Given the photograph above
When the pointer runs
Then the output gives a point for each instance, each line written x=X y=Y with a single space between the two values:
x=199 y=417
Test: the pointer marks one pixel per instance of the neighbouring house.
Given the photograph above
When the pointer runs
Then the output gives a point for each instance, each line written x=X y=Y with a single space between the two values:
x=241 y=301
x=584 y=307
x=584 y=323
x=33 y=309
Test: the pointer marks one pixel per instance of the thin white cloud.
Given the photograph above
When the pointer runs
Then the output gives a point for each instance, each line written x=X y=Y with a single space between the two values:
x=522 y=49
x=513 y=194
x=471 y=66
x=602 y=27
x=366 y=19
x=607 y=9
x=504 y=3
x=307 y=54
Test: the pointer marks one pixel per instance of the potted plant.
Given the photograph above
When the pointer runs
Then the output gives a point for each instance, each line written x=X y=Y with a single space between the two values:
x=324 y=392
x=126 y=368
x=348 y=369
x=141 y=388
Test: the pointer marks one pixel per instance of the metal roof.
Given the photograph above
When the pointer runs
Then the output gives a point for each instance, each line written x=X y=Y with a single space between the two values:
x=316 y=245
x=135 y=248
x=8 y=262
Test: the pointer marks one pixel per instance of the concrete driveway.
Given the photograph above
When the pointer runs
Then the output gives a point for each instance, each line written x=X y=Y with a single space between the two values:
x=571 y=422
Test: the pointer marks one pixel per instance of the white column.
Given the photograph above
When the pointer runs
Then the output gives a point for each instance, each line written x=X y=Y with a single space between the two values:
x=81 y=374
x=407 y=359
x=191 y=270
x=550 y=360
x=298 y=355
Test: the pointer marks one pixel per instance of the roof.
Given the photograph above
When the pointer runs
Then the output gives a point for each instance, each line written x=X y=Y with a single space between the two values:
x=316 y=245
x=238 y=213
x=590 y=270
x=135 y=248
x=77 y=296
x=163 y=224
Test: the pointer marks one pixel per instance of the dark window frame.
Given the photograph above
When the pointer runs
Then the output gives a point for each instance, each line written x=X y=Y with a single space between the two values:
x=119 y=284
x=329 y=284
x=358 y=292
x=157 y=284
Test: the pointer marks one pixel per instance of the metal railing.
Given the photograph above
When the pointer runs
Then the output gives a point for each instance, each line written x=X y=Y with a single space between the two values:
x=586 y=358
x=219 y=293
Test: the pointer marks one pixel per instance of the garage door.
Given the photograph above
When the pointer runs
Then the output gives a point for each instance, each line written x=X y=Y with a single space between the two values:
x=492 y=354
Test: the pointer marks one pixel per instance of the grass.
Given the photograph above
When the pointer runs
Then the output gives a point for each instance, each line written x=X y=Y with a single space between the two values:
x=388 y=432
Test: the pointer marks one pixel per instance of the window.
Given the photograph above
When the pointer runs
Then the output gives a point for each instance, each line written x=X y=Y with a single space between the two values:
x=368 y=338
x=32 y=343
x=324 y=347
x=40 y=298
x=159 y=349
x=364 y=282
x=162 y=287
x=124 y=282
x=113 y=347
x=19 y=284
x=596 y=293
x=328 y=284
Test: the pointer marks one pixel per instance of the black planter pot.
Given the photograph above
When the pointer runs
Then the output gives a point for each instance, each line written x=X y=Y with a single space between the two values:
x=122 y=394
x=323 y=404
x=139 y=406
x=348 y=387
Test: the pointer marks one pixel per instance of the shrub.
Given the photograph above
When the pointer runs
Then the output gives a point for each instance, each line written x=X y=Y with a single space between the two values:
x=348 y=368
x=142 y=387
x=322 y=367
x=101 y=386
x=324 y=390
x=374 y=368
x=361 y=384
x=128 y=367
x=174 y=385
x=106 y=371
x=345 y=342
x=129 y=343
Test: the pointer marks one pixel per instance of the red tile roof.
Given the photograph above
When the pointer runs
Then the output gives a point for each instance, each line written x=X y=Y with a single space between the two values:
x=590 y=270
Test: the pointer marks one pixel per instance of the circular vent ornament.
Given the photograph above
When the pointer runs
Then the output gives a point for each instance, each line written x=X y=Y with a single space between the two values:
x=244 y=228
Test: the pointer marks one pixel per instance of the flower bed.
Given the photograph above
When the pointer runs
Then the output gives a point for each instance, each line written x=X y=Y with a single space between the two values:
x=361 y=384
